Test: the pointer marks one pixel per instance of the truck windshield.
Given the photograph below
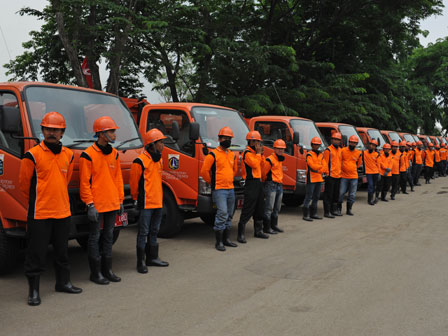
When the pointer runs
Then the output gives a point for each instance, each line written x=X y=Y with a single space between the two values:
x=348 y=131
x=307 y=130
x=443 y=140
x=408 y=137
x=80 y=109
x=212 y=119
x=416 y=138
x=394 y=136
x=375 y=134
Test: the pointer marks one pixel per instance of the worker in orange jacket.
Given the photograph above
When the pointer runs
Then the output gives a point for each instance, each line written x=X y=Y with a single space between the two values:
x=253 y=205
x=218 y=170
x=332 y=157
x=101 y=189
x=45 y=172
x=273 y=187
x=146 y=190
x=351 y=160
x=443 y=158
x=404 y=165
x=410 y=157
x=395 y=153
x=370 y=160
x=417 y=163
x=385 y=168
x=437 y=160
x=315 y=168
x=428 y=161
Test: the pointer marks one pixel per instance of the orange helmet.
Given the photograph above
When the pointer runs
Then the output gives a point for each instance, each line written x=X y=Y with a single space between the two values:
x=413 y=143
x=394 y=144
x=430 y=144
x=153 y=135
x=253 y=135
x=336 y=135
x=419 y=143
x=279 y=143
x=53 y=120
x=408 y=143
x=316 y=141
x=353 y=138
x=373 y=141
x=438 y=146
x=104 y=124
x=386 y=146
x=226 y=131
x=402 y=143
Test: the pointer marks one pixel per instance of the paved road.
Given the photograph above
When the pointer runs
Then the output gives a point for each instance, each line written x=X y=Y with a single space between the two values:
x=382 y=272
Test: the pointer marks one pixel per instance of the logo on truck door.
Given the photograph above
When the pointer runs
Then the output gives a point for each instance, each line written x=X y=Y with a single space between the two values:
x=173 y=161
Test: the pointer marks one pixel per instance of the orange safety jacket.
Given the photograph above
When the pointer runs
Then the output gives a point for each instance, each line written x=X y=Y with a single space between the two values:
x=314 y=167
x=437 y=155
x=385 y=162
x=443 y=154
x=370 y=160
x=43 y=179
x=429 y=158
x=219 y=168
x=411 y=155
x=395 y=162
x=418 y=156
x=146 y=182
x=252 y=164
x=332 y=157
x=100 y=179
x=273 y=169
x=351 y=160
x=404 y=163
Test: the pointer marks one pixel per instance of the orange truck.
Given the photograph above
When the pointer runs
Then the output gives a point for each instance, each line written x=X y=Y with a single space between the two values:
x=297 y=133
x=367 y=134
x=407 y=137
x=391 y=136
x=22 y=106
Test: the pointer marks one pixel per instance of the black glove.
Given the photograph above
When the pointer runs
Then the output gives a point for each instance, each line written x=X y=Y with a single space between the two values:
x=120 y=212
x=92 y=213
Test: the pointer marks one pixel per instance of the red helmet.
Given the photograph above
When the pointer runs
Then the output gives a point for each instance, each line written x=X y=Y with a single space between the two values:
x=353 y=138
x=316 y=141
x=226 y=131
x=430 y=144
x=386 y=146
x=373 y=141
x=105 y=123
x=53 y=120
x=394 y=144
x=279 y=143
x=402 y=143
x=336 y=135
x=153 y=135
x=253 y=135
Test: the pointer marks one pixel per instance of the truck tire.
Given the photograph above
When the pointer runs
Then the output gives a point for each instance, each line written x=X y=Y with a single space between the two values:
x=9 y=249
x=82 y=241
x=172 y=217
x=208 y=219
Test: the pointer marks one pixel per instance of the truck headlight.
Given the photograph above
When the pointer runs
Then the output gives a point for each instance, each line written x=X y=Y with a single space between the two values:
x=301 y=175
x=203 y=187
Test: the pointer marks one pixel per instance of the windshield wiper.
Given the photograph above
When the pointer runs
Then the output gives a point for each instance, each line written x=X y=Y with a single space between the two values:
x=125 y=142
x=77 y=142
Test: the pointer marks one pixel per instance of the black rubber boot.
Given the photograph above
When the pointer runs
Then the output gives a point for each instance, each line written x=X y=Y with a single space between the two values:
x=334 y=210
x=370 y=199
x=141 y=266
x=33 y=292
x=274 y=224
x=226 y=241
x=267 y=227
x=258 y=230
x=392 y=197
x=327 y=212
x=349 y=209
x=377 y=197
x=219 y=244
x=306 y=214
x=106 y=263
x=241 y=231
x=383 y=196
x=339 y=209
x=95 y=272
x=152 y=256
x=313 y=212
x=63 y=283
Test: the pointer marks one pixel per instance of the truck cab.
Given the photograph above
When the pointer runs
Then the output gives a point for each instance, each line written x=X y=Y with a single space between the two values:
x=367 y=134
x=391 y=136
x=297 y=133
x=22 y=106
x=407 y=137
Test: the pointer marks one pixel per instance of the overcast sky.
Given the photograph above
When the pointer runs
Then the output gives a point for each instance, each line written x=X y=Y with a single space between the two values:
x=15 y=29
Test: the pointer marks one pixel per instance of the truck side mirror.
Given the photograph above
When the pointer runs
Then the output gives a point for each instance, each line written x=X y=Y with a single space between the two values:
x=9 y=119
x=344 y=141
x=194 y=131
x=175 y=130
x=296 y=138
x=205 y=150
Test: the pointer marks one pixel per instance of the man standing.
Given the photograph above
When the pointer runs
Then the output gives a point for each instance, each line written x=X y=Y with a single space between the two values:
x=315 y=167
x=429 y=162
x=146 y=189
x=332 y=159
x=45 y=172
x=410 y=146
x=443 y=159
x=385 y=168
x=417 y=163
x=370 y=158
x=219 y=169
x=437 y=160
x=101 y=189
x=404 y=165
x=395 y=169
x=351 y=160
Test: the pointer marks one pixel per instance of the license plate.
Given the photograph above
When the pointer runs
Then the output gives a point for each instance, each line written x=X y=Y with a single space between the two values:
x=122 y=220
x=239 y=203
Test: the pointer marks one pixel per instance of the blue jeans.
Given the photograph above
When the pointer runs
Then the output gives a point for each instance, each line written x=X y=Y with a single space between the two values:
x=273 y=193
x=349 y=185
x=372 y=179
x=93 y=248
x=148 y=224
x=312 y=194
x=225 y=206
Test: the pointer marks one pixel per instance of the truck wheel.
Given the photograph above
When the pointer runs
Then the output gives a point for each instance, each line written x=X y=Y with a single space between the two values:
x=172 y=217
x=9 y=250
x=208 y=219
x=82 y=241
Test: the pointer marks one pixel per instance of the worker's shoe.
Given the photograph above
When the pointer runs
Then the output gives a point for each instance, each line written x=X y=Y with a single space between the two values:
x=267 y=227
x=349 y=208
x=225 y=239
x=274 y=224
x=33 y=292
x=63 y=283
x=106 y=269
x=241 y=231
x=219 y=245
x=339 y=208
x=95 y=272
x=141 y=266
x=392 y=197
x=152 y=256
x=383 y=196
x=258 y=230
x=335 y=210
x=327 y=212
x=306 y=214
x=370 y=199
x=313 y=213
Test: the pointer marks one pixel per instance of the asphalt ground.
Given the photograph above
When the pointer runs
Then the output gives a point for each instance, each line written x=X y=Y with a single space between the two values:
x=383 y=271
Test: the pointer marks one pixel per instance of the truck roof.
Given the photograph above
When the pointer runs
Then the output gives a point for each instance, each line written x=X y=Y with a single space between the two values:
x=22 y=85
x=333 y=123
x=189 y=105
x=278 y=117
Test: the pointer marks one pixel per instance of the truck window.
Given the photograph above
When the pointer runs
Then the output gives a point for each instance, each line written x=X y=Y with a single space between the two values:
x=375 y=134
x=10 y=124
x=271 y=131
x=307 y=130
x=395 y=137
x=348 y=131
x=163 y=120
x=326 y=133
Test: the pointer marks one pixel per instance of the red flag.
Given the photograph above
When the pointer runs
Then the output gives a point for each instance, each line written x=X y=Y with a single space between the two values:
x=86 y=71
